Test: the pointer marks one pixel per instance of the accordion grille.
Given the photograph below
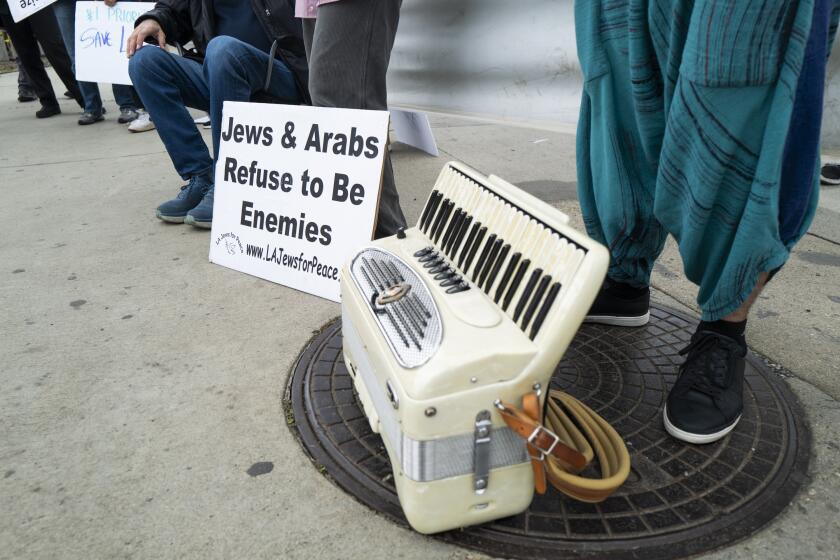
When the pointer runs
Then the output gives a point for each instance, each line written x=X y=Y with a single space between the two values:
x=411 y=324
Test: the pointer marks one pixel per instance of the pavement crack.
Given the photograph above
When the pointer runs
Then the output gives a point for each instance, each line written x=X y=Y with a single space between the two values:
x=39 y=164
x=826 y=239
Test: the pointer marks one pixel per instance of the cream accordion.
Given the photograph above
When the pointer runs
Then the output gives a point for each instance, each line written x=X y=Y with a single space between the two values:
x=476 y=303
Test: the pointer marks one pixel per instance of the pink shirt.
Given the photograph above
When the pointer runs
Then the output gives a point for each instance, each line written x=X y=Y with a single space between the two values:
x=309 y=8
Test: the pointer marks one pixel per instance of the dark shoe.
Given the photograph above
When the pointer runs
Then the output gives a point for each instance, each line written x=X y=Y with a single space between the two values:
x=620 y=305
x=706 y=402
x=25 y=96
x=69 y=95
x=830 y=174
x=90 y=118
x=127 y=115
x=202 y=215
x=191 y=195
x=48 y=111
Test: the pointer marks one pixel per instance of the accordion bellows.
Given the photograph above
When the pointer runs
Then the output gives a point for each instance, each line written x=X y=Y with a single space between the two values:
x=476 y=303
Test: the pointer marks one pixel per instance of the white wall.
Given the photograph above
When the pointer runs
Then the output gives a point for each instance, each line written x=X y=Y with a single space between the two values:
x=512 y=60
x=506 y=59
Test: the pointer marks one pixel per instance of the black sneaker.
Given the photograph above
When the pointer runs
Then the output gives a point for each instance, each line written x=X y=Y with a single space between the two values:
x=706 y=402
x=830 y=174
x=47 y=111
x=620 y=305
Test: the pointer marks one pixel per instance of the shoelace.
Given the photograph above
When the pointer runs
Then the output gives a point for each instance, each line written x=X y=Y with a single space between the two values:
x=712 y=350
x=187 y=189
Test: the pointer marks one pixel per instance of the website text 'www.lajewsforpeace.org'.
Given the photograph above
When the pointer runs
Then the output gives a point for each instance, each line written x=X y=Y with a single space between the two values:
x=301 y=262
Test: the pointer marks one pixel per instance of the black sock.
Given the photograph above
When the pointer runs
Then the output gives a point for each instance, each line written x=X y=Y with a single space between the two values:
x=732 y=329
x=626 y=291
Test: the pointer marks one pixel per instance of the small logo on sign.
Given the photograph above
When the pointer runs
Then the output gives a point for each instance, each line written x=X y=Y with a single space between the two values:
x=231 y=243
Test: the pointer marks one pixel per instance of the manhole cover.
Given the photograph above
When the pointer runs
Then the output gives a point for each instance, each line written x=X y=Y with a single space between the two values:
x=680 y=499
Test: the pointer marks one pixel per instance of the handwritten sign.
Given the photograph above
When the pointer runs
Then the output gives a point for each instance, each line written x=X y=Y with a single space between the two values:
x=297 y=191
x=22 y=9
x=101 y=33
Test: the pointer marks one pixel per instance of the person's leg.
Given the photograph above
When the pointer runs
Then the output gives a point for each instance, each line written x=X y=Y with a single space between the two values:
x=25 y=91
x=737 y=185
x=235 y=71
x=167 y=85
x=348 y=53
x=45 y=27
x=126 y=97
x=65 y=15
x=617 y=157
x=29 y=58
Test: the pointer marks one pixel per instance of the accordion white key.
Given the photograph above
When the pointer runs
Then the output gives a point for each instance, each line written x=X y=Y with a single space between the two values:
x=476 y=303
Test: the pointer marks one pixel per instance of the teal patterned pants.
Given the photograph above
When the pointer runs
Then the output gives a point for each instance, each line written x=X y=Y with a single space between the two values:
x=700 y=119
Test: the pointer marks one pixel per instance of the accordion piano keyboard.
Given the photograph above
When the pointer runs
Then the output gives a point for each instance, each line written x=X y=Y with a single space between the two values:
x=518 y=260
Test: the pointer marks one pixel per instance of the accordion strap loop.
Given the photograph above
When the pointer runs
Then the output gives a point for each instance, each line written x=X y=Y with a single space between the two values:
x=563 y=443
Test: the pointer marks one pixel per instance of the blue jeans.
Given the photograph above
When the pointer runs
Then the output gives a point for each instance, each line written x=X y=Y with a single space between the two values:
x=65 y=14
x=167 y=84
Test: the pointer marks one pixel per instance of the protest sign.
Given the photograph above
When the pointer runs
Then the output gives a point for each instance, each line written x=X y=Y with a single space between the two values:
x=413 y=128
x=22 y=9
x=297 y=191
x=101 y=33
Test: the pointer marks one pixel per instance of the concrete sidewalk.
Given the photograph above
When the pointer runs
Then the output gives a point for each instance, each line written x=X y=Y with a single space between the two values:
x=141 y=383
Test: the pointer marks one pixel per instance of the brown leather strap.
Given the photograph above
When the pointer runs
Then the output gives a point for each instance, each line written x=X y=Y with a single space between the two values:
x=531 y=408
x=572 y=436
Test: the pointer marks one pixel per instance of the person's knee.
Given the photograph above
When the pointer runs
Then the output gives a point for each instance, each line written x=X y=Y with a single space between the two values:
x=221 y=52
x=146 y=60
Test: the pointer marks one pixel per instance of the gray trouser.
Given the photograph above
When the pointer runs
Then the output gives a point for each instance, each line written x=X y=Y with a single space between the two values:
x=348 y=48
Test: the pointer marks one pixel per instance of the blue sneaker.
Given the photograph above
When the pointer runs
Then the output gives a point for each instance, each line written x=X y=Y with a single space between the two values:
x=202 y=215
x=175 y=210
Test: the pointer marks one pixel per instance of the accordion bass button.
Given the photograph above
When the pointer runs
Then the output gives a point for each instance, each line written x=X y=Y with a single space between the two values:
x=424 y=251
x=451 y=281
x=459 y=287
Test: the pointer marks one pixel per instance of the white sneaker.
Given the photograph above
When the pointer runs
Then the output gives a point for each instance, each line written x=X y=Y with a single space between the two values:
x=202 y=120
x=142 y=123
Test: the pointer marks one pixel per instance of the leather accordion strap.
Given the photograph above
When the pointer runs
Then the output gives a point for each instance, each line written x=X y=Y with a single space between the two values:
x=570 y=437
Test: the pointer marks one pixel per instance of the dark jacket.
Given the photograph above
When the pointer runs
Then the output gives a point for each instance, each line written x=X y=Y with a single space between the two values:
x=193 y=20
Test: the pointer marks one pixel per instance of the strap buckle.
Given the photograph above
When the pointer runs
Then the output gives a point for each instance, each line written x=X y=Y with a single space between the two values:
x=533 y=438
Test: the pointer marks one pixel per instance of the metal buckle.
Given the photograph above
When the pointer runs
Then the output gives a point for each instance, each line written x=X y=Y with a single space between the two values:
x=532 y=438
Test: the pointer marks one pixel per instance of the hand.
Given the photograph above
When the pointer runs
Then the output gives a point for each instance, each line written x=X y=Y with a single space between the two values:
x=147 y=28
x=110 y=3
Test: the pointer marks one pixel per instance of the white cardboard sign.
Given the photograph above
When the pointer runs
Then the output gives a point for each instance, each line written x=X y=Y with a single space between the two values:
x=22 y=9
x=297 y=191
x=413 y=128
x=101 y=33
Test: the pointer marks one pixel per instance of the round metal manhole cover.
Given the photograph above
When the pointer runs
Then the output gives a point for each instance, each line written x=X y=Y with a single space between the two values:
x=680 y=499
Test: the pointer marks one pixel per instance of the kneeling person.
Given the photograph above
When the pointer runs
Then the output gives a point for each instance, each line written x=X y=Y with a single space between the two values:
x=233 y=43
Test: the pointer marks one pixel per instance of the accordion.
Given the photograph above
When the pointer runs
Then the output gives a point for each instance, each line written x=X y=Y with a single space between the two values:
x=475 y=304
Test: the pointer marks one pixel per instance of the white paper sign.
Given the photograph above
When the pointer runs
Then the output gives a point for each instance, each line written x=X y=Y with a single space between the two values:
x=101 y=33
x=22 y=9
x=297 y=191
x=413 y=128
